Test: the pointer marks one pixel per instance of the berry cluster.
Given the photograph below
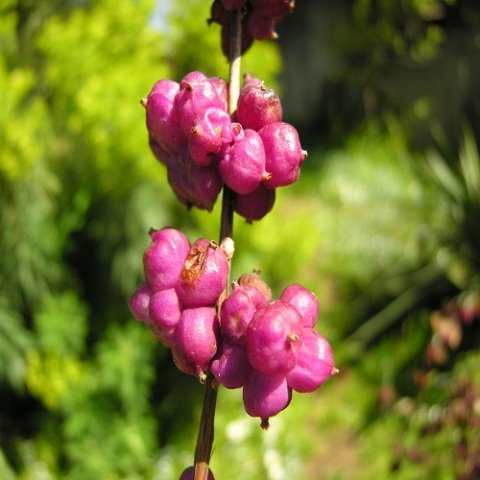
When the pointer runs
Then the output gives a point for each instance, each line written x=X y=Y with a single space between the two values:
x=259 y=18
x=269 y=347
x=183 y=283
x=266 y=346
x=203 y=148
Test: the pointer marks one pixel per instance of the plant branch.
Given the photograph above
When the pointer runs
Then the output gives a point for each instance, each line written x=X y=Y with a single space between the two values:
x=205 y=437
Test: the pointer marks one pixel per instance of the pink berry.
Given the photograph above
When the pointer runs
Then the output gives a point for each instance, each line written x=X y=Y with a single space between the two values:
x=183 y=364
x=204 y=276
x=283 y=153
x=272 y=338
x=196 y=95
x=189 y=474
x=193 y=185
x=265 y=395
x=164 y=259
x=160 y=154
x=139 y=303
x=304 y=301
x=196 y=337
x=243 y=166
x=210 y=132
x=258 y=106
x=255 y=205
x=231 y=366
x=236 y=313
x=165 y=312
x=314 y=363
x=221 y=88
x=162 y=121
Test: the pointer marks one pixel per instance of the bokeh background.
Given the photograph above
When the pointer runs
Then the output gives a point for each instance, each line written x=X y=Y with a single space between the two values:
x=384 y=225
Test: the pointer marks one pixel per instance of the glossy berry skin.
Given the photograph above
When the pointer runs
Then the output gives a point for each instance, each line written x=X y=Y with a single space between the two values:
x=283 y=153
x=165 y=312
x=258 y=106
x=160 y=153
x=139 y=303
x=242 y=168
x=210 y=132
x=314 y=363
x=231 y=367
x=265 y=395
x=254 y=206
x=204 y=276
x=196 y=94
x=272 y=338
x=193 y=185
x=221 y=88
x=196 y=337
x=162 y=123
x=304 y=301
x=236 y=313
x=164 y=258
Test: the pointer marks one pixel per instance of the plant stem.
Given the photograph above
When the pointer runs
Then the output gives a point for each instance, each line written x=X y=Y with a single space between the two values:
x=203 y=449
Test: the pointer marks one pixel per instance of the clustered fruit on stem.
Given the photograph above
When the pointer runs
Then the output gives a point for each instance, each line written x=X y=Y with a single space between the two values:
x=211 y=136
x=203 y=148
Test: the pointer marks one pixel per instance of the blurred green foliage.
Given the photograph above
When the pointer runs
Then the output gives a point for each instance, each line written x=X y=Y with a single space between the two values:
x=388 y=238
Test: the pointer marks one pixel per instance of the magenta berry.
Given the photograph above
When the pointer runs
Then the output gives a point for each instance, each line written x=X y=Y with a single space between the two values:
x=255 y=205
x=221 y=89
x=204 y=276
x=160 y=153
x=314 y=363
x=165 y=312
x=236 y=313
x=272 y=338
x=283 y=153
x=139 y=303
x=207 y=136
x=196 y=94
x=196 y=337
x=231 y=366
x=193 y=185
x=162 y=123
x=304 y=301
x=258 y=106
x=265 y=395
x=243 y=167
x=164 y=258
